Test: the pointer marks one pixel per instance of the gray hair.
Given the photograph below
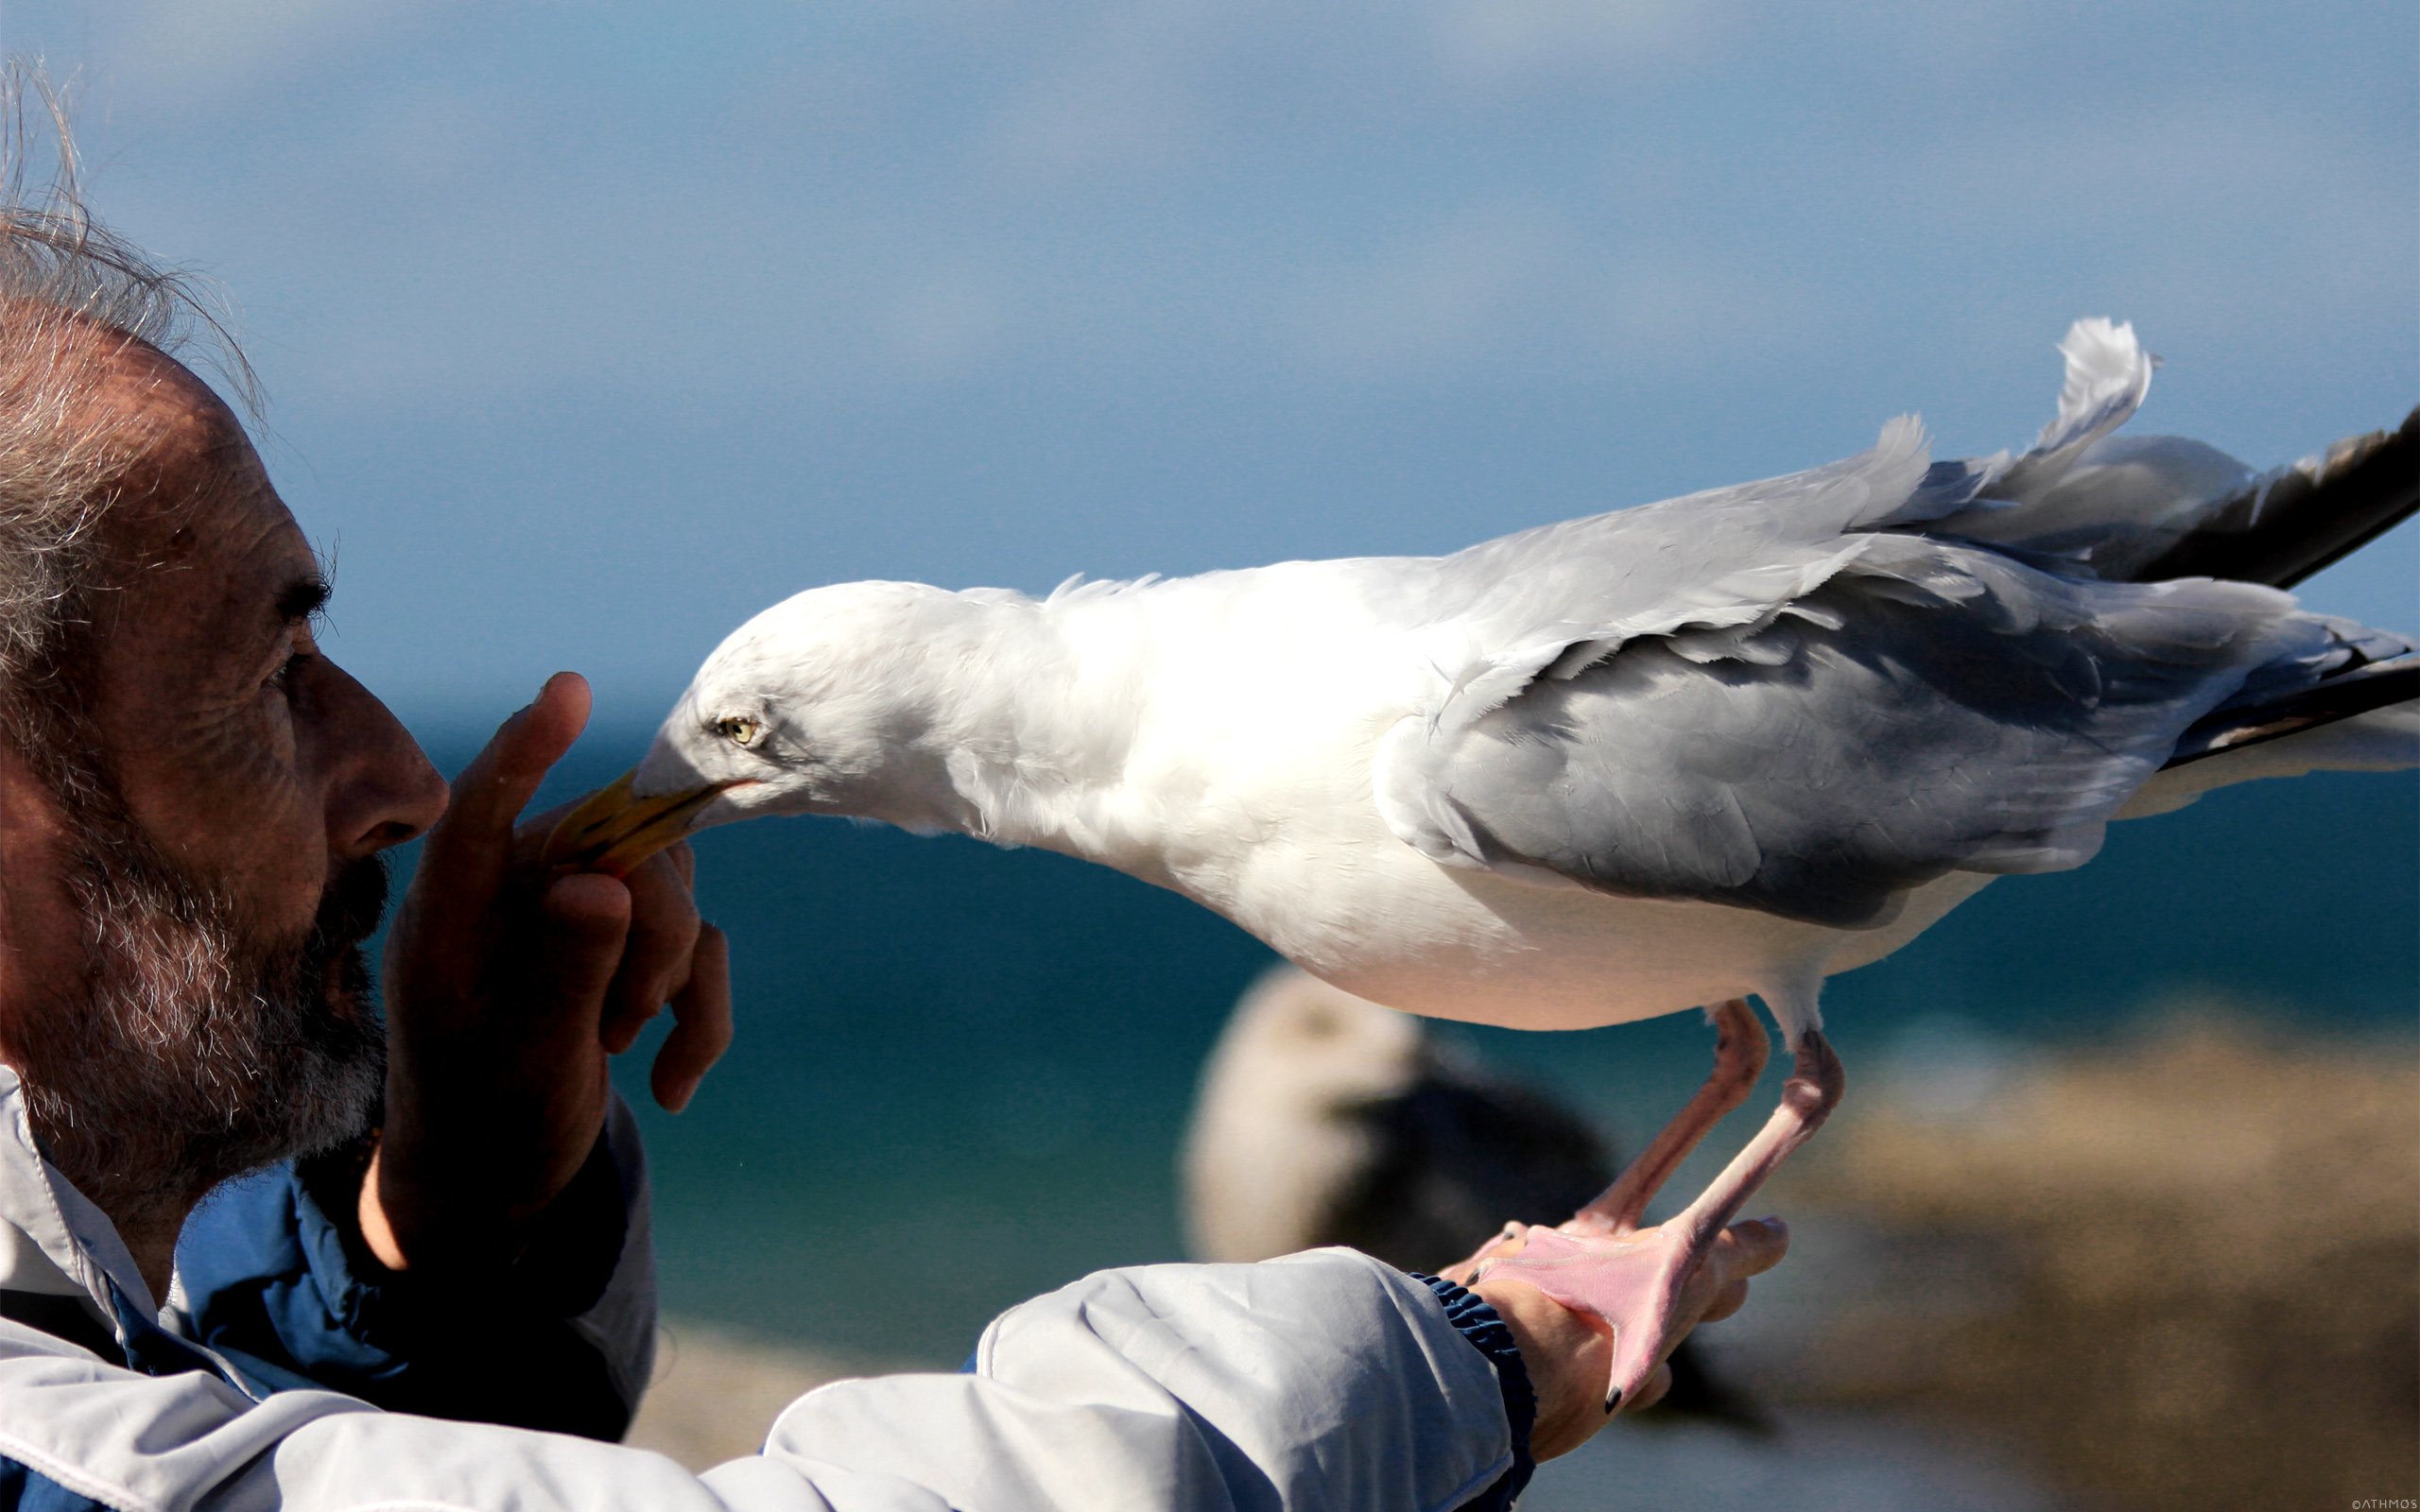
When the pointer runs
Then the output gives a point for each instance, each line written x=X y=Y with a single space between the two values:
x=72 y=293
x=199 y=1050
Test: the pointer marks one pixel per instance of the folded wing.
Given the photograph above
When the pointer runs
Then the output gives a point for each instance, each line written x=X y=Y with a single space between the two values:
x=1929 y=708
x=1810 y=695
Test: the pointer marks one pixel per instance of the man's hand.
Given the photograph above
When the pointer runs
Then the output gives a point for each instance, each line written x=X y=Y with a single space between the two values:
x=507 y=992
x=1569 y=1356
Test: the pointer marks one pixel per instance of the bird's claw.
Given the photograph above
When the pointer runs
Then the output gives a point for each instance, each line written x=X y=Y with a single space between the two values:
x=1627 y=1280
x=1506 y=1241
x=1627 y=1285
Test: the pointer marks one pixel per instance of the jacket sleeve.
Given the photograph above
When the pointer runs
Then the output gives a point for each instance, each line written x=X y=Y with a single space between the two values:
x=1323 y=1381
x=271 y=1275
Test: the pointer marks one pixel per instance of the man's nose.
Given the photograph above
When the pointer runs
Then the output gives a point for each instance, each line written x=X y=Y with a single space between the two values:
x=382 y=788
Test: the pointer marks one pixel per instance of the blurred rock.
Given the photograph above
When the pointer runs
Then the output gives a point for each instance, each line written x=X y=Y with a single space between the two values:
x=2179 y=1273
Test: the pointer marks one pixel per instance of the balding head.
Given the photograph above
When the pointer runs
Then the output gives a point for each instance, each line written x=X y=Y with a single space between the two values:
x=87 y=383
x=196 y=797
x=73 y=297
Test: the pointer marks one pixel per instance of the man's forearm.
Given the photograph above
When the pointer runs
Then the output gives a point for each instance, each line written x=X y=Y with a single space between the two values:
x=1326 y=1379
x=1323 y=1381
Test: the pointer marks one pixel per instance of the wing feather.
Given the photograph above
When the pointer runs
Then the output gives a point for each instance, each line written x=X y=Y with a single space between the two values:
x=1812 y=693
x=1936 y=708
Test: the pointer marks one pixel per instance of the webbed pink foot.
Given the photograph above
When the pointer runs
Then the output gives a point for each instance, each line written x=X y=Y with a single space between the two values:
x=1603 y=1264
x=1632 y=1283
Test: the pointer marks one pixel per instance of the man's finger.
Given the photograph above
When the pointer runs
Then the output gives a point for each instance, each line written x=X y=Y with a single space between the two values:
x=476 y=832
x=1726 y=1301
x=1753 y=1248
x=582 y=921
x=700 y=1026
x=1652 y=1393
x=656 y=958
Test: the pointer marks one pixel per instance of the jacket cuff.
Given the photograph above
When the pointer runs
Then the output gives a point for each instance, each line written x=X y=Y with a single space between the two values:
x=566 y=1260
x=1478 y=1322
x=276 y=1279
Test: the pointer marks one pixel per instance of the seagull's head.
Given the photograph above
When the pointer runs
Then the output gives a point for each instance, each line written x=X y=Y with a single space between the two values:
x=818 y=705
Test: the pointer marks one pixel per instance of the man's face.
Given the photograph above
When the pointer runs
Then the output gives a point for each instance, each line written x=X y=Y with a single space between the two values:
x=198 y=918
x=247 y=756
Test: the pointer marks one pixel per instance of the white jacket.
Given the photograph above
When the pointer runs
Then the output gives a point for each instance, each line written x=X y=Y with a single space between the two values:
x=1322 y=1381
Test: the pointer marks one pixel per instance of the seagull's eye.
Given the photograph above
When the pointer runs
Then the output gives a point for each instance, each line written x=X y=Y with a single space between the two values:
x=738 y=729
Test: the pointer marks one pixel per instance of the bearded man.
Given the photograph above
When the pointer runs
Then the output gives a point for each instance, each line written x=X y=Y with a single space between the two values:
x=259 y=1246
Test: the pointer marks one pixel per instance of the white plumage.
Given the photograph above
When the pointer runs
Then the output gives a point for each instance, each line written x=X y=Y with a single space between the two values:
x=1672 y=756
x=1724 y=745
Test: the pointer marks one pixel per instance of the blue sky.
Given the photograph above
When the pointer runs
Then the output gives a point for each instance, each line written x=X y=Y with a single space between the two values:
x=590 y=329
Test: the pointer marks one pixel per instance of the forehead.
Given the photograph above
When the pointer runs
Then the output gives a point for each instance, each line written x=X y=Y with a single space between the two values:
x=196 y=547
x=195 y=507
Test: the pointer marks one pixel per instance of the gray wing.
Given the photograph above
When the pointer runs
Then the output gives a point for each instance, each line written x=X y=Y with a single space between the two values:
x=1810 y=694
x=2083 y=502
x=1929 y=707
x=1558 y=597
x=2141 y=509
x=1552 y=599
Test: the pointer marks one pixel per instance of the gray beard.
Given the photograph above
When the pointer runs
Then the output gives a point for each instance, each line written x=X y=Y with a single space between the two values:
x=196 y=1050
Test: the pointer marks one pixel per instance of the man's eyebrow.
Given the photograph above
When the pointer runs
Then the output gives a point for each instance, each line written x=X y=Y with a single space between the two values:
x=301 y=598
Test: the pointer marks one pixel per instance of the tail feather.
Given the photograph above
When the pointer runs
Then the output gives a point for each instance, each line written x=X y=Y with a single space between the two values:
x=2288 y=523
x=2344 y=696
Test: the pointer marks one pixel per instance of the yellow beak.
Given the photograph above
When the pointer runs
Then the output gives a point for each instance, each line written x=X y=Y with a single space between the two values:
x=612 y=832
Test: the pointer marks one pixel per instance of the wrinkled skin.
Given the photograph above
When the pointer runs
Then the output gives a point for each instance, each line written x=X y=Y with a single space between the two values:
x=251 y=761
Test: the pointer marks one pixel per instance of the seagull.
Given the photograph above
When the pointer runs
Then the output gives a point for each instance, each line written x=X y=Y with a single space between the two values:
x=1669 y=757
x=1325 y=1119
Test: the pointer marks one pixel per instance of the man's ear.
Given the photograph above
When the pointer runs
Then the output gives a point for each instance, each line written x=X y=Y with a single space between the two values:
x=40 y=930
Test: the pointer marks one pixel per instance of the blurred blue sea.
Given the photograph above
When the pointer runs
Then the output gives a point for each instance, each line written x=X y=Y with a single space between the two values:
x=962 y=1073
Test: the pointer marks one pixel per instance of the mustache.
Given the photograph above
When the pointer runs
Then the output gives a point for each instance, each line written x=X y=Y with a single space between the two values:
x=354 y=903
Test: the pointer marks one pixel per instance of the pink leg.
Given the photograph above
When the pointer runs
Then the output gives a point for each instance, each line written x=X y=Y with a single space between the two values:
x=1739 y=1060
x=1631 y=1278
x=1807 y=1099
